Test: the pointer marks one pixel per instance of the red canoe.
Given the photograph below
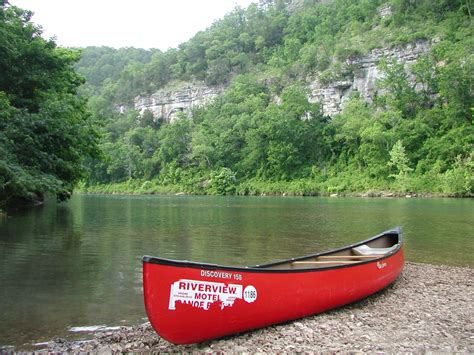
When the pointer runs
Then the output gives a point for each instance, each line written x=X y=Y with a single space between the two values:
x=189 y=302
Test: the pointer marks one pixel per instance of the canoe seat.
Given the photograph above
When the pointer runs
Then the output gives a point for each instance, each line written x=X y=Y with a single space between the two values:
x=366 y=250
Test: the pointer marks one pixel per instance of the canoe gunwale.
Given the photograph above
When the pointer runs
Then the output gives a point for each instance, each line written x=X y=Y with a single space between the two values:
x=265 y=268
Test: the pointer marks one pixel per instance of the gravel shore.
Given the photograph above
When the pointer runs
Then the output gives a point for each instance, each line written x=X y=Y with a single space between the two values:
x=428 y=309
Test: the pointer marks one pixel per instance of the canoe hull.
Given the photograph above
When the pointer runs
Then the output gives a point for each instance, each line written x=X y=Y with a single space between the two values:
x=196 y=302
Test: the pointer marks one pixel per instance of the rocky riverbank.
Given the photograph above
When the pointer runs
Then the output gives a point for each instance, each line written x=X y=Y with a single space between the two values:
x=428 y=309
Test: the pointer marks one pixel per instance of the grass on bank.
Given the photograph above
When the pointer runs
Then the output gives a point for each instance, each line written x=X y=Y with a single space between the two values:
x=458 y=182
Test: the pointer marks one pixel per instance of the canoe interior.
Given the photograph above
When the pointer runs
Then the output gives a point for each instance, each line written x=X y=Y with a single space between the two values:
x=385 y=244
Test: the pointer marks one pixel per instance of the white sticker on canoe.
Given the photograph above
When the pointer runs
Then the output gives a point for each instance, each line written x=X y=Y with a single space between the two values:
x=250 y=294
x=202 y=294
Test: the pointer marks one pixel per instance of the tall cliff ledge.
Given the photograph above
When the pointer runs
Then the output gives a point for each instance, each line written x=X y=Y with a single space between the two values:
x=364 y=77
x=167 y=103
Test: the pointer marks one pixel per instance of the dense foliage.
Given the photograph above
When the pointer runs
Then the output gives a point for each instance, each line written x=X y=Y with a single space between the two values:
x=277 y=38
x=263 y=136
x=45 y=131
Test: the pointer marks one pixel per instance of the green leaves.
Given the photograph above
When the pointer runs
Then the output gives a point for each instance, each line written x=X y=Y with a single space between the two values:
x=223 y=182
x=45 y=127
x=399 y=160
x=263 y=129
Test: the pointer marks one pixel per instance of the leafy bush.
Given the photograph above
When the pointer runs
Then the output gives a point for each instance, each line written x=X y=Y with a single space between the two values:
x=459 y=180
x=223 y=182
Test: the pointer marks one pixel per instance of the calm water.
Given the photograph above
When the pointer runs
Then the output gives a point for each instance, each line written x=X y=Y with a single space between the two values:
x=79 y=263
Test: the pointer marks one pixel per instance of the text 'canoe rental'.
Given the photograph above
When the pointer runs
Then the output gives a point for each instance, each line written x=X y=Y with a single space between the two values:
x=190 y=302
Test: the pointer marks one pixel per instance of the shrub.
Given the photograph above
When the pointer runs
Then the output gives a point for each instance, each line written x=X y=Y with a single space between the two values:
x=223 y=182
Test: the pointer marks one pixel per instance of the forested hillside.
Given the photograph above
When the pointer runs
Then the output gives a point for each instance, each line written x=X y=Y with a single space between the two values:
x=262 y=135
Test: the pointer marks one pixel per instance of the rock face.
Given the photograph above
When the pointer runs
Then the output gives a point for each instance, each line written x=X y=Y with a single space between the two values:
x=333 y=95
x=166 y=104
x=385 y=11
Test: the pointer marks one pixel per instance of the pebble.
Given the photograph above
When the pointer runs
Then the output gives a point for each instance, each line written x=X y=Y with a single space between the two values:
x=428 y=309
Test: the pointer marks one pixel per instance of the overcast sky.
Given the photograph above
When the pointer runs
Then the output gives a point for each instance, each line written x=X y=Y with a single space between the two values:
x=118 y=23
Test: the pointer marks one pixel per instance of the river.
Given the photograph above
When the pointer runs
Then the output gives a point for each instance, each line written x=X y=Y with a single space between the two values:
x=77 y=264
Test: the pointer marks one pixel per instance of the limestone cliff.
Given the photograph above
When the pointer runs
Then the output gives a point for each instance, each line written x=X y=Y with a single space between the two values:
x=364 y=76
x=167 y=103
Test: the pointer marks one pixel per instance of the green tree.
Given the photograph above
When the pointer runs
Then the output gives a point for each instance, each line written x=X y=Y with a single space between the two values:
x=223 y=182
x=459 y=180
x=400 y=94
x=400 y=162
x=175 y=139
x=45 y=129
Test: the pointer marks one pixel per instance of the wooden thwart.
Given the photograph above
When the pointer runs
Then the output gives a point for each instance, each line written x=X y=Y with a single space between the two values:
x=327 y=262
x=337 y=259
x=348 y=256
